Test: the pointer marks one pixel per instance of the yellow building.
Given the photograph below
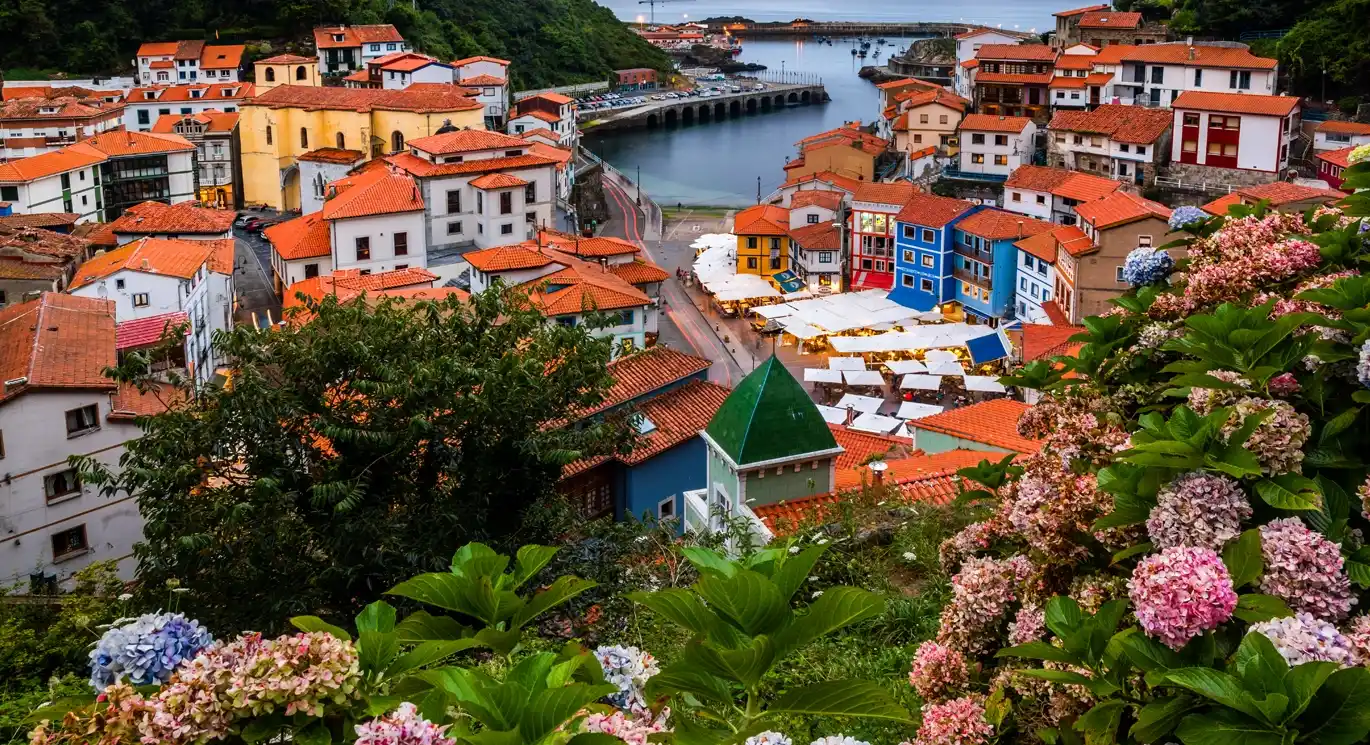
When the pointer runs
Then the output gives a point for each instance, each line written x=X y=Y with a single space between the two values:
x=288 y=121
x=846 y=151
x=286 y=69
x=763 y=241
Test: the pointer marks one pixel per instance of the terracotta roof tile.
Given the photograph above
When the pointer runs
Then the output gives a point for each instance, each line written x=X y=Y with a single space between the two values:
x=1072 y=240
x=1023 y=52
x=508 y=258
x=819 y=237
x=222 y=56
x=845 y=183
x=420 y=167
x=1008 y=78
x=485 y=79
x=1055 y=314
x=902 y=83
x=433 y=98
x=11 y=92
x=1042 y=245
x=679 y=415
x=640 y=373
x=1110 y=19
x=762 y=219
x=1236 y=103
x=1062 y=183
x=349 y=284
x=286 y=59
x=304 y=237
x=21 y=269
x=377 y=191
x=1340 y=157
x=638 y=272
x=597 y=247
x=333 y=155
x=1220 y=205
x=56 y=341
x=896 y=193
x=41 y=220
x=118 y=143
x=213 y=120
x=1082 y=11
x=354 y=36
x=992 y=123
x=555 y=98
x=539 y=132
x=997 y=224
x=164 y=256
x=1113 y=54
x=158 y=48
x=1204 y=55
x=1075 y=62
x=471 y=60
x=540 y=115
x=497 y=181
x=993 y=423
x=1069 y=83
x=1129 y=124
x=825 y=198
x=932 y=211
x=154 y=217
x=1344 y=128
x=141 y=332
x=1277 y=194
x=55 y=108
x=1120 y=208
x=50 y=163
x=129 y=403
x=1042 y=341
x=40 y=242
x=228 y=92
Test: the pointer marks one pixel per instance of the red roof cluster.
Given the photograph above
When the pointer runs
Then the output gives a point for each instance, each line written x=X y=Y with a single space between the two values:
x=304 y=237
x=56 y=341
x=355 y=36
x=1130 y=124
x=993 y=423
x=932 y=211
x=993 y=123
x=997 y=224
x=434 y=98
x=1120 y=208
x=1062 y=182
x=374 y=191
x=151 y=218
x=1199 y=55
x=1236 y=103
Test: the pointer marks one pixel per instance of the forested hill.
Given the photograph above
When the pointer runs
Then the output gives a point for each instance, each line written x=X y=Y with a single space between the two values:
x=550 y=42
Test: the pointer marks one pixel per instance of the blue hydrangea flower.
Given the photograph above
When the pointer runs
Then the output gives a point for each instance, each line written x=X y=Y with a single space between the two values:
x=146 y=650
x=1147 y=266
x=1183 y=216
x=628 y=668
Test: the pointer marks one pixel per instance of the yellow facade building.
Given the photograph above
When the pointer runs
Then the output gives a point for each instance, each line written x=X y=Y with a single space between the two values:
x=763 y=241
x=279 y=126
x=286 y=69
x=846 y=151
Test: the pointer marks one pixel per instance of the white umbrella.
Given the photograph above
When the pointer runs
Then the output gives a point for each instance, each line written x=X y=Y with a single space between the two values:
x=914 y=410
x=946 y=367
x=984 y=384
x=877 y=423
x=820 y=375
x=863 y=404
x=846 y=363
x=832 y=414
x=921 y=382
x=863 y=377
x=906 y=367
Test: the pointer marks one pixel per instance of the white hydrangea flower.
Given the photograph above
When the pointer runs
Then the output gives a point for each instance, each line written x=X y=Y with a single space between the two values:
x=768 y=738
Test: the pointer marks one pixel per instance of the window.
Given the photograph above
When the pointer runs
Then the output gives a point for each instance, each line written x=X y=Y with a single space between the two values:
x=342 y=141
x=1118 y=274
x=375 y=47
x=1074 y=96
x=751 y=241
x=69 y=543
x=626 y=318
x=396 y=141
x=918 y=139
x=480 y=202
x=304 y=137
x=1017 y=196
x=928 y=261
x=665 y=509
x=751 y=262
x=9 y=193
x=977 y=139
x=1157 y=75
x=775 y=244
x=908 y=257
x=942 y=119
x=300 y=73
x=363 y=244
x=825 y=257
x=1190 y=146
x=906 y=280
x=140 y=300
x=925 y=284
x=268 y=134
x=1240 y=79
x=1077 y=140
x=1001 y=160
x=775 y=263
x=82 y=420
x=1144 y=241
x=453 y=202
x=879 y=265
x=506 y=229
x=811 y=219
x=865 y=263
x=311 y=271
x=1141 y=149
x=977 y=158
x=1198 y=78
x=1001 y=140
x=118 y=284
x=530 y=193
x=144 y=116
x=454 y=228
x=1041 y=199
x=506 y=203
x=922 y=118
x=402 y=244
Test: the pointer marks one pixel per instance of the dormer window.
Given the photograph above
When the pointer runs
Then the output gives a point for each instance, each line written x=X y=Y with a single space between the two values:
x=149 y=95
x=196 y=94
x=48 y=110
x=337 y=37
x=228 y=92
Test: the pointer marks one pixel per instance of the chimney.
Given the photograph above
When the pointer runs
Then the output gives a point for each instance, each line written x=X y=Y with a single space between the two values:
x=1191 y=53
x=145 y=264
x=878 y=468
x=1020 y=230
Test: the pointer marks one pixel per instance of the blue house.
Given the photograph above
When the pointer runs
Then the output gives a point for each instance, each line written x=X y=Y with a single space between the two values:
x=923 y=250
x=985 y=261
x=670 y=400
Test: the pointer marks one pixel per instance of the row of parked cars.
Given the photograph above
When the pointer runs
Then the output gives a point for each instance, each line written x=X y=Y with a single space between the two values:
x=621 y=100
x=252 y=224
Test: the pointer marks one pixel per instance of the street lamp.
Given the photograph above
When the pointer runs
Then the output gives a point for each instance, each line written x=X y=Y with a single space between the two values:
x=639 y=185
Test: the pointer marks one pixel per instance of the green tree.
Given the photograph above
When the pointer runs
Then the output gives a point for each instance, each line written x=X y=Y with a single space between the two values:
x=357 y=449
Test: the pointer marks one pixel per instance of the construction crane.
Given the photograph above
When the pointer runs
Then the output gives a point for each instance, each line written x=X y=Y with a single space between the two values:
x=653 y=3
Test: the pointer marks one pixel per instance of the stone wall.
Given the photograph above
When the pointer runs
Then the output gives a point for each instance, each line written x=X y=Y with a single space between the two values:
x=1190 y=172
x=588 y=195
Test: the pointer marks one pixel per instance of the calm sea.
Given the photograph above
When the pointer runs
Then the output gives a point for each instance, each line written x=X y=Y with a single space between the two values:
x=1025 y=13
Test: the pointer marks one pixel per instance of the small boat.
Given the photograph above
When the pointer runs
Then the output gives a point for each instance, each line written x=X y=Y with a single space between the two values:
x=854 y=52
x=861 y=54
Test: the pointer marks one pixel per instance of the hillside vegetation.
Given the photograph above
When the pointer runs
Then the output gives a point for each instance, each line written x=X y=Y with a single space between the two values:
x=550 y=42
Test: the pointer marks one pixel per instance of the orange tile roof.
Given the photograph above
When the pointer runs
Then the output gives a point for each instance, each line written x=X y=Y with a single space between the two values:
x=229 y=92
x=1075 y=62
x=902 y=83
x=930 y=210
x=222 y=56
x=1041 y=341
x=1114 y=54
x=1120 y=208
x=154 y=217
x=508 y=258
x=420 y=167
x=1110 y=19
x=56 y=341
x=497 y=181
x=9 y=93
x=819 y=237
x=1008 y=78
x=348 y=284
x=50 y=163
x=158 y=48
x=845 y=183
x=23 y=239
x=763 y=219
x=1082 y=11
x=1204 y=55
x=1072 y=240
x=119 y=143
x=377 y=191
x=1042 y=245
x=1062 y=183
x=221 y=255
x=993 y=422
x=1277 y=194
x=304 y=237
x=540 y=115
x=1055 y=314
x=679 y=415
x=896 y=193
x=333 y=155
x=1340 y=157
x=55 y=108
x=997 y=224
x=141 y=332
x=40 y=220
x=286 y=59
x=597 y=247
x=18 y=268
x=977 y=32
x=128 y=403
x=354 y=36
x=587 y=291
x=432 y=98
x=391 y=280
x=993 y=123
x=165 y=256
x=639 y=272
x=1220 y=205
x=214 y=121
x=162 y=64
x=825 y=198
x=539 y=132
x=359 y=76
x=1069 y=83
x=970 y=64
x=555 y=98
x=470 y=60
x=1016 y=52
x=637 y=374
x=1344 y=128
x=466 y=141
x=1130 y=124
x=485 y=79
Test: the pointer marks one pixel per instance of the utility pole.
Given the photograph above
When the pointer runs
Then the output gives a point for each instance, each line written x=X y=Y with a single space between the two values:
x=639 y=185
x=758 y=190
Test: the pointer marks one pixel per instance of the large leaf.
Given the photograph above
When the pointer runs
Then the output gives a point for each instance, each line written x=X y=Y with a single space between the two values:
x=1289 y=492
x=682 y=678
x=311 y=624
x=429 y=652
x=1340 y=711
x=550 y=708
x=837 y=608
x=375 y=650
x=796 y=569
x=378 y=616
x=1058 y=676
x=709 y=561
x=314 y=733
x=425 y=627
x=1148 y=654
x=1160 y=717
x=1358 y=566
x=1039 y=651
x=747 y=600
x=1225 y=727
x=1243 y=558
x=1216 y=686
x=1260 y=666
x=563 y=589
x=1303 y=682
x=1100 y=723
x=1254 y=608
x=855 y=698
x=529 y=561
x=680 y=606
x=1063 y=616
x=745 y=665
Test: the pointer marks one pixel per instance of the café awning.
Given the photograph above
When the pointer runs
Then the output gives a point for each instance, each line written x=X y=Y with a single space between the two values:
x=915 y=410
x=984 y=384
x=921 y=382
x=863 y=377
x=863 y=404
x=819 y=375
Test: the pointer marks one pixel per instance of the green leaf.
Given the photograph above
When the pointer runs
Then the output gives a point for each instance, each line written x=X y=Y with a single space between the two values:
x=1148 y=654
x=747 y=600
x=422 y=626
x=310 y=624
x=1131 y=551
x=1260 y=666
x=594 y=738
x=550 y=708
x=796 y=569
x=855 y=698
x=835 y=609
x=527 y=563
x=1039 y=651
x=1254 y=608
x=1058 y=676
x=262 y=728
x=746 y=665
x=682 y=607
x=1288 y=491
x=468 y=560
x=314 y=733
x=1358 y=566
x=1338 y=424
x=378 y=616
x=1100 y=723
x=1304 y=681
x=680 y=678
x=429 y=652
x=1063 y=616
x=375 y=650
x=1158 y=718
x=1340 y=711
x=1216 y=686
x=1225 y=727
x=709 y=561
x=563 y=589
x=502 y=642
x=1244 y=559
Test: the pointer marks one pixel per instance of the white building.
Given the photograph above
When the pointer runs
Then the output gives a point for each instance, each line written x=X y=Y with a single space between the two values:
x=55 y=402
x=321 y=167
x=64 y=180
x=489 y=76
x=546 y=111
x=215 y=136
x=1156 y=74
x=1051 y=194
x=995 y=144
x=148 y=104
x=967 y=45
x=343 y=49
x=37 y=124
x=816 y=238
x=1335 y=135
x=928 y=119
x=480 y=188
x=158 y=276
x=172 y=62
x=399 y=70
x=1236 y=132
x=1036 y=276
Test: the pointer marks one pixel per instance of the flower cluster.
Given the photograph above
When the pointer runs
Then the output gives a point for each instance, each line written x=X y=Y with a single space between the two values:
x=838 y=740
x=960 y=721
x=1358 y=636
x=768 y=738
x=1304 y=569
x=1363 y=364
x=1358 y=155
x=1147 y=266
x=147 y=650
x=1198 y=509
x=1248 y=254
x=980 y=597
x=1204 y=400
x=1363 y=491
x=1284 y=385
x=633 y=730
x=1052 y=505
x=1091 y=591
x=403 y=726
x=969 y=541
x=1153 y=335
x=1186 y=215
x=1180 y=593
x=1302 y=638
x=1029 y=625
x=628 y=668
x=1278 y=441
x=938 y=671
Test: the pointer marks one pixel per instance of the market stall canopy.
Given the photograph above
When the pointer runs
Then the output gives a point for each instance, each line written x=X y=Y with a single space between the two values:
x=715 y=263
x=741 y=287
x=915 y=410
x=988 y=348
x=849 y=311
x=714 y=240
x=802 y=330
x=820 y=375
x=863 y=404
x=788 y=282
x=906 y=367
x=921 y=382
x=932 y=337
x=946 y=367
x=846 y=363
x=772 y=311
x=863 y=377
x=833 y=415
x=984 y=384
x=939 y=355
x=878 y=423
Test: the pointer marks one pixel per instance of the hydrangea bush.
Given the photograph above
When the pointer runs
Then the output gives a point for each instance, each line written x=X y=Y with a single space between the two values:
x=145 y=650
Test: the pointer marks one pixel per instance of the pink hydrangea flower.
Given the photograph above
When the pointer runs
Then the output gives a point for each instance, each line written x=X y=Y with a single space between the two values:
x=970 y=540
x=960 y=721
x=981 y=595
x=1181 y=593
x=1029 y=625
x=1305 y=570
x=1198 y=509
x=1052 y=504
x=1302 y=638
x=1278 y=441
x=938 y=671
x=1358 y=636
x=630 y=729
x=403 y=726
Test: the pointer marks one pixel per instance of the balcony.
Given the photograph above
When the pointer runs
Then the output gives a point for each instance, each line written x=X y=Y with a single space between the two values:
x=979 y=254
x=59 y=141
x=974 y=279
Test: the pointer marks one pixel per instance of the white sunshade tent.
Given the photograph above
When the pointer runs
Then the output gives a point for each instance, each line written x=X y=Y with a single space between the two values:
x=741 y=287
x=863 y=404
x=714 y=240
x=930 y=337
x=772 y=311
x=863 y=377
x=846 y=363
x=820 y=375
x=848 y=311
x=938 y=355
x=877 y=423
x=946 y=367
x=832 y=414
x=906 y=367
x=803 y=331
x=984 y=384
x=921 y=382
x=915 y=410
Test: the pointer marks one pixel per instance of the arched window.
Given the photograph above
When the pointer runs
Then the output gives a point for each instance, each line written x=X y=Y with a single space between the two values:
x=300 y=74
x=342 y=143
x=396 y=141
x=270 y=75
x=304 y=137
x=268 y=134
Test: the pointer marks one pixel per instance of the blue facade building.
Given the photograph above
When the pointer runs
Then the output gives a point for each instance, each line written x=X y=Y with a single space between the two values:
x=985 y=261
x=923 y=250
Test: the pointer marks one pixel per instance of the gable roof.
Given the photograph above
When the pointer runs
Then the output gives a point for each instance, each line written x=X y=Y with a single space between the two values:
x=762 y=219
x=1017 y=52
x=1120 y=208
x=355 y=35
x=1042 y=245
x=836 y=180
x=483 y=79
x=1110 y=19
x=50 y=163
x=117 y=143
x=375 y=191
x=339 y=156
x=1236 y=103
x=825 y=198
x=1343 y=128
x=25 y=239
x=638 y=272
x=993 y=123
x=638 y=374
x=466 y=141
x=349 y=284
x=894 y=193
x=56 y=108
x=1200 y=55
x=508 y=258
x=423 y=168
x=993 y=423
x=285 y=59
x=769 y=416
x=1340 y=157
x=230 y=92
x=930 y=210
x=936 y=96
x=164 y=256
x=222 y=56
x=56 y=341
x=1082 y=11
x=818 y=237
x=594 y=247
x=185 y=217
x=214 y=121
x=434 y=98
x=480 y=58
x=1277 y=194
x=997 y=224
x=1131 y=124
x=47 y=220
x=141 y=332
x=1061 y=182
x=1044 y=341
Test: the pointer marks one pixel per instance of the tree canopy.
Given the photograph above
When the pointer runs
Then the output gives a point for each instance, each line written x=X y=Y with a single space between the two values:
x=357 y=449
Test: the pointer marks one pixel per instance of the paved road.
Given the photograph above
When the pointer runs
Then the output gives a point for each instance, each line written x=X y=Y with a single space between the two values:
x=252 y=279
